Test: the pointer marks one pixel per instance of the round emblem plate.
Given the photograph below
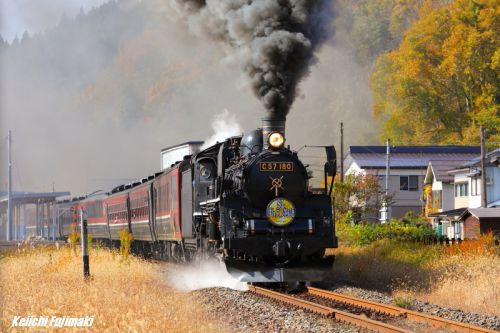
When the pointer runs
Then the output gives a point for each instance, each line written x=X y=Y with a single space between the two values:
x=280 y=212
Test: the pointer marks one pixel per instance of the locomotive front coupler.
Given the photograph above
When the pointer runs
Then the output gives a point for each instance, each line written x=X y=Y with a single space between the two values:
x=297 y=253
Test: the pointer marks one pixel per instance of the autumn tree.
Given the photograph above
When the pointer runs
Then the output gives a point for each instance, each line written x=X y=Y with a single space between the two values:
x=442 y=82
x=357 y=196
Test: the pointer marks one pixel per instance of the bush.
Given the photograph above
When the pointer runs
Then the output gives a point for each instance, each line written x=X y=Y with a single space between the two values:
x=126 y=239
x=403 y=302
x=364 y=234
x=73 y=238
x=89 y=242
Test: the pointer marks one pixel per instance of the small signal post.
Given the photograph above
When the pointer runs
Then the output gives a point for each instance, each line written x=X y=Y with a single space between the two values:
x=84 y=239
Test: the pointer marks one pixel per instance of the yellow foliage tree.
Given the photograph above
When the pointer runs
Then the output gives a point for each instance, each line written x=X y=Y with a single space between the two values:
x=442 y=82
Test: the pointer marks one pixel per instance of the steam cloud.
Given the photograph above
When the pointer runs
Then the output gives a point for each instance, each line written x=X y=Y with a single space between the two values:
x=224 y=126
x=274 y=39
x=204 y=274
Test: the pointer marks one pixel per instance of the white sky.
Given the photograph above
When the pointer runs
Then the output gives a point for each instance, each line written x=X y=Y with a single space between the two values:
x=17 y=16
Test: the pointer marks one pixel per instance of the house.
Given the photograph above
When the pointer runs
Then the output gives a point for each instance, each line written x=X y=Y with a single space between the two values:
x=447 y=224
x=467 y=182
x=466 y=223
x=462 y=182
x=439 y=185
x=476 y=221
x=408 y=168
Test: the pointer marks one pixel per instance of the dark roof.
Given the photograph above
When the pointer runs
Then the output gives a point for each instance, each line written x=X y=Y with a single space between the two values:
x=409 y=157
x=416 y=149
x=491 y=158
x=482 y=213
x=440 y=169
x=449 y=213
x=190 y=143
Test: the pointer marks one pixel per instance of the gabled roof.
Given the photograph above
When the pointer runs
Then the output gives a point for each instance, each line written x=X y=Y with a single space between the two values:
x=410 y=157
x=482 y=213
x=440 y=168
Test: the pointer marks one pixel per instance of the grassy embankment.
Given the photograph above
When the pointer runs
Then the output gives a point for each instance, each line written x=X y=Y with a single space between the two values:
x=464 y=276
x=128 y=295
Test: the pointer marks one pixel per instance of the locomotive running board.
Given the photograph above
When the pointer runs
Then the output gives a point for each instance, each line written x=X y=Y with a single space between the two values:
x=255 y=272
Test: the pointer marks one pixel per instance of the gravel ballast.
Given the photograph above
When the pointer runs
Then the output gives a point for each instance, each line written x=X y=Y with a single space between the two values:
x=247 y=312
x=477 y=319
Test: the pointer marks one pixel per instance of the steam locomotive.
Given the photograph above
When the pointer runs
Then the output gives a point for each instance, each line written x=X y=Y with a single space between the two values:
x=245 y=200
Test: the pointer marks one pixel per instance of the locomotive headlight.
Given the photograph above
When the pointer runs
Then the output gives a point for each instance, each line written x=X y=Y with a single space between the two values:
x=276 y=140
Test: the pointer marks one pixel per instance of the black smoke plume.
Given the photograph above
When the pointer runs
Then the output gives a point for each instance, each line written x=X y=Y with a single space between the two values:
x=274 y=39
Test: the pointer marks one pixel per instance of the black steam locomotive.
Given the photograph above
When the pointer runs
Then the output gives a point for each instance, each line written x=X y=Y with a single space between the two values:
x=254 y=197
x=246 y=200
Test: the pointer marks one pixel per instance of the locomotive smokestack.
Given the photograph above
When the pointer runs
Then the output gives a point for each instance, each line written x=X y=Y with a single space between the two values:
x=272 y=124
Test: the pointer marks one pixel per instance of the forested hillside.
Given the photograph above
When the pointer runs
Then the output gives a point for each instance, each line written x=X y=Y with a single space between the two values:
x=442 y=82
x=435 y=74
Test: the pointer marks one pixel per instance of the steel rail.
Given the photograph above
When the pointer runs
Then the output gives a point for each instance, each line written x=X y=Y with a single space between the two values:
x=431 y=320
x=329 y=312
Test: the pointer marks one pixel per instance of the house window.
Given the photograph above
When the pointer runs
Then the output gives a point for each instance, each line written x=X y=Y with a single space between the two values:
x=461 y=189
x=408 y=183
x=475 y=187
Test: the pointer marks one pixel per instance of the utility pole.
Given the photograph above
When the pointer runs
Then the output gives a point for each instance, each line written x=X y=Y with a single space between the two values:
x=484 y=201
x=9 y=190
x=387 y=209
x=342 y=152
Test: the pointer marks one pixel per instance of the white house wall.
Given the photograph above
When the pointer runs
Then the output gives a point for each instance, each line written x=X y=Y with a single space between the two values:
x=355 y=169
x=462 y=202
x=437 y=186
x=474 y=201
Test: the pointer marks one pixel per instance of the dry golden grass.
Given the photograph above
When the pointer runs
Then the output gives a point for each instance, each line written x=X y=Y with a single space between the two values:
x=464 y=276
x=467 y=282
x=130 y=296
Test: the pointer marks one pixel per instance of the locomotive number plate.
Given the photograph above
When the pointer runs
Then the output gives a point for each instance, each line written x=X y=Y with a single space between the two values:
x=276 y=166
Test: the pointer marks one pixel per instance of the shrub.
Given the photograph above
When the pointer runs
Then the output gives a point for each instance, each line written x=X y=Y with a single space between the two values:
x=485 y=245
x=403 y=302
x=73 y=238
x=125 y=242
x=89 y=242
x=364 y=234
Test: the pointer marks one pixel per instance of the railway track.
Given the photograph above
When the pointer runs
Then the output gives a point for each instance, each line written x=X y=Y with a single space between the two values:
x=353 y=310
